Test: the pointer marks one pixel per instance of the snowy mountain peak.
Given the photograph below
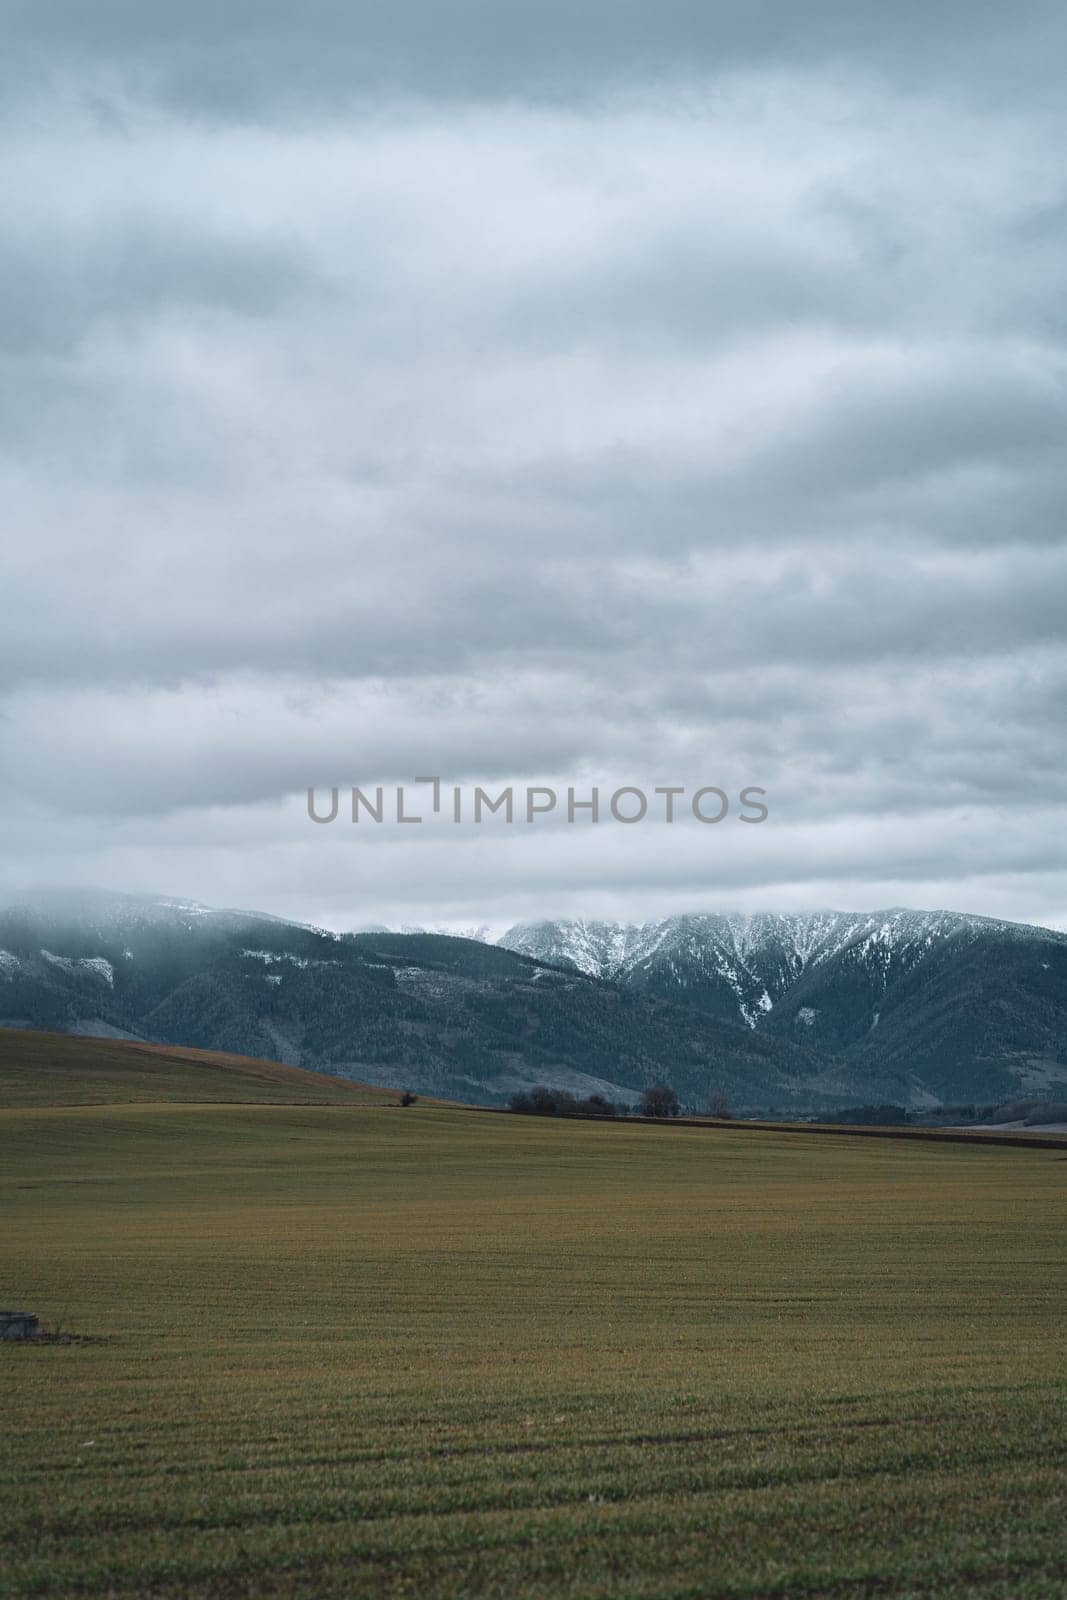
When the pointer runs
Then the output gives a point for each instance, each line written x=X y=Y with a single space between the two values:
x=743 y=966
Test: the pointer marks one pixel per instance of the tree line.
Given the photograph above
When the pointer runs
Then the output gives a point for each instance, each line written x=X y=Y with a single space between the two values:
x=659 y=1100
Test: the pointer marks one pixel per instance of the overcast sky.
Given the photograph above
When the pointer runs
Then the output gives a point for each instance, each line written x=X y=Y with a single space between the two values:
x=644 y=393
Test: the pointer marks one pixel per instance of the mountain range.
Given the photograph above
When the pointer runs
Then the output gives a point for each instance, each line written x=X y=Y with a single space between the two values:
x=795 y=1013
x=954 y=1007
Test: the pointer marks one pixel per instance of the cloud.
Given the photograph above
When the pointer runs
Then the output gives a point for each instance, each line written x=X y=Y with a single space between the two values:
x=654 y=394
x=251 y=53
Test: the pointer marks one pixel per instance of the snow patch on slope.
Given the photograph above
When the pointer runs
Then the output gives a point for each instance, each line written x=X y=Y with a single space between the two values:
x=97 y=966
x=269 y=957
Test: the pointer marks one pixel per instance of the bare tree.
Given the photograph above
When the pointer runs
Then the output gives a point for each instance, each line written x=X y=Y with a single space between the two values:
x=659 y=1101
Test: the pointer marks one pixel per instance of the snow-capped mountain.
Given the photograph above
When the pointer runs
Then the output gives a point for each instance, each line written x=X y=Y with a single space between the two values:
x=745 y=964
x=920 y=992
x=438 y=1013
x=796 y=1012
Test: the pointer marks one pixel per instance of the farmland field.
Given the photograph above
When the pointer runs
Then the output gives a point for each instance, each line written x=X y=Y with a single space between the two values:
x=55 y=1069
x=349 y=1349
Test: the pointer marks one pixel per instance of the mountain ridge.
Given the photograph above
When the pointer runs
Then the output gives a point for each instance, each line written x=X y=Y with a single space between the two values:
x=455 y=1017
x=799 y=1012
x=888 y=990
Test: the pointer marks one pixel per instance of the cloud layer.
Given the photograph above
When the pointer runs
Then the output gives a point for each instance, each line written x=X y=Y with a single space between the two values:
x=648 y=395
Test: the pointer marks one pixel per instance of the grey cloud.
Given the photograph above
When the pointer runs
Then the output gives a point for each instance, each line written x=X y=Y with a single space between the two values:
x=645 y=393
x=586 y=619
x=55 y=290
x=241 y=56
x=922 y=739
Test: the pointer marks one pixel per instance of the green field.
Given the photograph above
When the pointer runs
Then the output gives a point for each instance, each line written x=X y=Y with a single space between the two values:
x=46 y=1069
x=358 y=1350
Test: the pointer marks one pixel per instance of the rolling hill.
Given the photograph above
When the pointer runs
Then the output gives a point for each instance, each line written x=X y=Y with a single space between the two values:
x=51 y=1069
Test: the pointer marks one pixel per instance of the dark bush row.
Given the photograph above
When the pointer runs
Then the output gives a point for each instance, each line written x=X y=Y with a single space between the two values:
x=544 y=1102
x=859 y=1116
x=540 y=1101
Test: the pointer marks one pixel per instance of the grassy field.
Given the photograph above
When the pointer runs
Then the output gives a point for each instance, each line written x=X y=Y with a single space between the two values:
x=358 y=1350
x=48 y=1069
